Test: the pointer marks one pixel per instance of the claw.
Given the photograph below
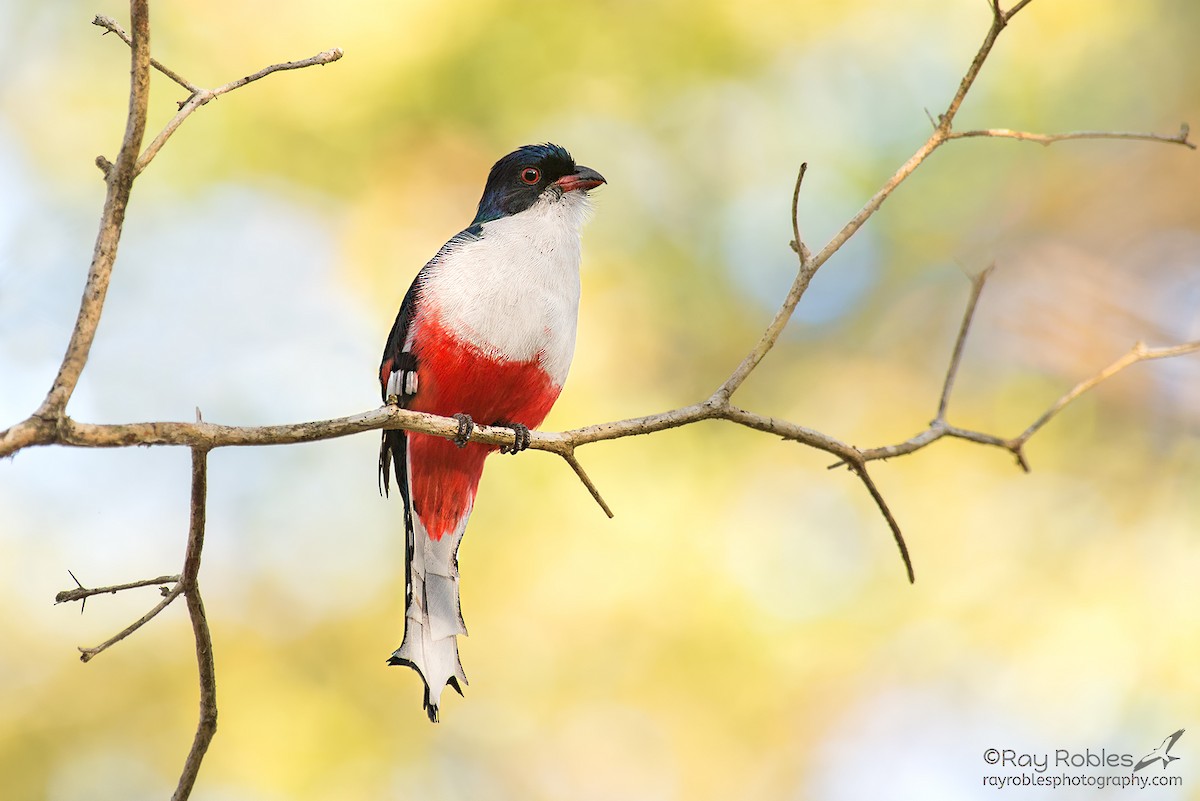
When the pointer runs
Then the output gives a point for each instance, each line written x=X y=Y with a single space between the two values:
x=465 y=426
x=521 y=438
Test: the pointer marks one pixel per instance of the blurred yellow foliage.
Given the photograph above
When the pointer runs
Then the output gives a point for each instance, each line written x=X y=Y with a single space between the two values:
x=742 y=628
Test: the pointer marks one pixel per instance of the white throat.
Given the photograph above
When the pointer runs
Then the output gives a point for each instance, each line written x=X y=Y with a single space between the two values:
x=513 y=291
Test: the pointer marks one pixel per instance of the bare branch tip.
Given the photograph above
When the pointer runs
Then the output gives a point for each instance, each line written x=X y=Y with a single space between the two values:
x=1185 y=131
x=859 y=467
x=797 y=244
x=108 y=23
x=569 y=456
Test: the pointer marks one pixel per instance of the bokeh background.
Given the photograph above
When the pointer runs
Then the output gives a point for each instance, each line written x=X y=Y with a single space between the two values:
x=742 y=628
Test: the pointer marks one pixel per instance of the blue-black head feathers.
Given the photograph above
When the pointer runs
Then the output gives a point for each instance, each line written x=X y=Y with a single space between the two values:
x=517 y=180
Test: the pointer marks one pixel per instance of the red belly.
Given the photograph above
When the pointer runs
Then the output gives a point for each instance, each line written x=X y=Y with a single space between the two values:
x=455 y=377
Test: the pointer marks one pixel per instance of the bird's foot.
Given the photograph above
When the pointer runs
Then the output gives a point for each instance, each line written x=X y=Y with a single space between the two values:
x=465 y=426
x=520 y=437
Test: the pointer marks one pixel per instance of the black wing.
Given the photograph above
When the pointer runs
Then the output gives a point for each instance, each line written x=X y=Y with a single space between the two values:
x=397 y=371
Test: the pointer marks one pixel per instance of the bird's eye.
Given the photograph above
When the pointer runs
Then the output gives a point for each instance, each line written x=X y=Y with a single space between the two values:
x=531 y=175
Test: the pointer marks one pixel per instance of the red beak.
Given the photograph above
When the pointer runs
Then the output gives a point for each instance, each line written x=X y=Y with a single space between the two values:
x=582 y=178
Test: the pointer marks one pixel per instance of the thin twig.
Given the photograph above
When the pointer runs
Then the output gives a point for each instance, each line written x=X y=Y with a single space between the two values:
x=207 y=725
x=939 y=428
x=808 y=268
x=587 y=482
x=1139 y=353
x=1180 y=138
x=860 y=469
x=977 y=283
x=82 y=593
x=87 y=654
x=113 y=26
x=1012 y=12
x=202 y=96
x=797 y=242
x=940 y=136
x=936 y=430
x=946 y=118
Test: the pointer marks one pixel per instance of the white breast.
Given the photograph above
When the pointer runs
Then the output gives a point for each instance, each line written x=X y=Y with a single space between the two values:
x=513 y=292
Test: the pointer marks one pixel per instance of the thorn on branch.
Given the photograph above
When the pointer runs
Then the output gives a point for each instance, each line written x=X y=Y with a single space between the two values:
x=61 y=597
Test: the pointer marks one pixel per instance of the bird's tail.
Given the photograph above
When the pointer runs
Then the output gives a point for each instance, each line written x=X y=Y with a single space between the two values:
x=433 y=617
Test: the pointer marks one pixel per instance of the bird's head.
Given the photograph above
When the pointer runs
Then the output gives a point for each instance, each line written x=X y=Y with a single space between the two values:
x=524 y=176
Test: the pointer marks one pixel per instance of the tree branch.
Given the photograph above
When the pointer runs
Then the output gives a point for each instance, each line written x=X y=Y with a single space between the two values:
x=1139 y=353
x=119 y=179
x=42 y=427
x=113 y=26
x=206 y=435
x=206 y=728
x=956 y=357
x=201 y=97
x=1180 y=138
x=860 y=469
x=82 y=593
x=587 y=482
x=939 y=428
x=771 y=335
x=809 y=264
x=87 y=654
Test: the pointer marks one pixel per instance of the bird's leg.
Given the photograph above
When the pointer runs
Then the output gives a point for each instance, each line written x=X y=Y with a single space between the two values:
x=520 y=437
x=465 y=426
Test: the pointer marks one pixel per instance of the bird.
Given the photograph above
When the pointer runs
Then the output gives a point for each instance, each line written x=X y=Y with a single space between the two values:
x=1163 y=753
x=485 y=333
